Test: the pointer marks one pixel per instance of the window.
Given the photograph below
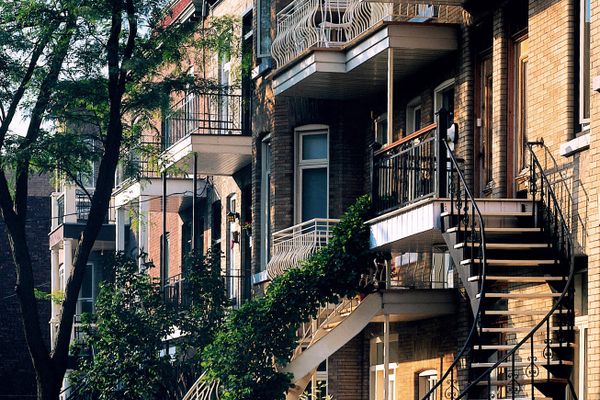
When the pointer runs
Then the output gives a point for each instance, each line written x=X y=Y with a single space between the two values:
x=60 y=210
x=381 y=133
x=165 y=256
x=444 y=98
x=61 y=277
x=88 y=291
x=427 y=380
x=263 y=37
x=232 y=266
x=215 y=226
x=318 y=384
x=413 y=115
x=580 y=375
x=377 y=368
x=265 y=205
x=584 y=63
x=312 y=200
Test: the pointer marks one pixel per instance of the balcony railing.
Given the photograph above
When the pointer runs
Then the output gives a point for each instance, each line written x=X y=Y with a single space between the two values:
x=215 y=113
x=405 y=171
x=297 y=243
x=332 y=23
x=174 y=291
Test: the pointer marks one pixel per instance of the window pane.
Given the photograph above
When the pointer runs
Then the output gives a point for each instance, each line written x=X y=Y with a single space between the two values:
x=87 y=288
x=314 y=193
x=314 y=147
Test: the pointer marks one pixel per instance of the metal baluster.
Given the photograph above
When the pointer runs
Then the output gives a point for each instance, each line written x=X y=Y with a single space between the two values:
x=532 y=371
x=513 y=376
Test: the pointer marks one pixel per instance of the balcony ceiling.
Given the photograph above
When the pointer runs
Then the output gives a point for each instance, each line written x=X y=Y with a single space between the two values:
x=217 y=154
x=360 y=70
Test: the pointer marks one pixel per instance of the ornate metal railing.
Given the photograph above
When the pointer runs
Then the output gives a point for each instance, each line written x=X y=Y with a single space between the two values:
x=464 y=212
x=174 y=291
x=298 y=242
x=213 y=113
x=303 y=24
x=404 y=172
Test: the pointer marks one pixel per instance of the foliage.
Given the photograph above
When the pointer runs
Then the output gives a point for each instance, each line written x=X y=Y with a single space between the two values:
x=126 y=335
x=263 y=330
x=57 y=296
x=132 y=320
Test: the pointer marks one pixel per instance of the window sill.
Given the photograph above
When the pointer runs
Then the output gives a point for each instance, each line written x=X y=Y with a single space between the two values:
x=265 y=65
x=576 y=145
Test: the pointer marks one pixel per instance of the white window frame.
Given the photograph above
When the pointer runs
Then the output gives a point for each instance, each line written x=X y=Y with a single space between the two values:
x=265 y=202
x=378 y=122
x=80 y=299
x=428 y=376
x=232 y=205
x=411 y=108
x=301 y=165
x=585 y=122
x=61 y=277
x=259 y=32
x=438 y=92
x=374 y=368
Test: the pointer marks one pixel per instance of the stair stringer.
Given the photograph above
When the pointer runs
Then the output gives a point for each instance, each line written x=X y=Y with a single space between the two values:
x=464 y=271
x=335 y=339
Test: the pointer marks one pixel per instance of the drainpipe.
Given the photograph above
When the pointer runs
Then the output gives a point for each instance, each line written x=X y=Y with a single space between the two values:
x=386 y=357
x=390 y=95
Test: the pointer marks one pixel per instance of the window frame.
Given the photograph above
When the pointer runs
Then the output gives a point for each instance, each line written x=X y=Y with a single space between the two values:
x=583 y=85
x=266 y=226
x=411 y=109
x=301 y=165
x=80 y=298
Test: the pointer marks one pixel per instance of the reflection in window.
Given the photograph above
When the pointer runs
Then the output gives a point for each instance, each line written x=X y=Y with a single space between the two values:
x=313 y=170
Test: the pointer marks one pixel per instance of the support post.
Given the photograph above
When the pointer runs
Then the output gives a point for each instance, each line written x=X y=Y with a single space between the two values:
x=194 y=203
x=163 y=253
x=390 y=95
x=442 y=156
x=386 y=357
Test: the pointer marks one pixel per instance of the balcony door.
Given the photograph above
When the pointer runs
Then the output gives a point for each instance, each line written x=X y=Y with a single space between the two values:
x=484 y=139
x=518 y=160
x=312 y=172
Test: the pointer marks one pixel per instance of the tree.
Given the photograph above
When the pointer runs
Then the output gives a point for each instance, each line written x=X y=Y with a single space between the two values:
x=65 y=63
x=131 y=322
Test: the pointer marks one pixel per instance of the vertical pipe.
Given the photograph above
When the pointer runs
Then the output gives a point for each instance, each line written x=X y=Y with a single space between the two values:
x=386 y=357
x=194 y=203
x=163 y=253
x=390 y=95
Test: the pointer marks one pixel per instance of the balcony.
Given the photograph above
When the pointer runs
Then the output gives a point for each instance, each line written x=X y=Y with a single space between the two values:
x=338 y=48
x=209 y=125
x=174 y=291
x=296 y=243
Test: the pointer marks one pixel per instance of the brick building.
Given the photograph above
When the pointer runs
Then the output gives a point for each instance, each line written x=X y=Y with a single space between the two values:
x=469 y=123
x=16 y=371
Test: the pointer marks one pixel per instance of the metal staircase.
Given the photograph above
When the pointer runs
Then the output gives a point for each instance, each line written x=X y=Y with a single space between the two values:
x=517 y=267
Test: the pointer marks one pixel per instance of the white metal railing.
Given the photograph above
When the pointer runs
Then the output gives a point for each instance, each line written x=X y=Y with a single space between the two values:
x=303 y=24
x=203 y=390
x=296 y=243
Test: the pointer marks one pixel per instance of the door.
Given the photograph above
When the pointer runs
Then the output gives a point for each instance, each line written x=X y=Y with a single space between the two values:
x=232 y=244
x=483 y=109
x=518 y=160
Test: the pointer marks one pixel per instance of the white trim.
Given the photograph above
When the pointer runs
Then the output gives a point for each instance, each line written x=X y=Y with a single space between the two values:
x=265 y=206
x=300 y=165
x=437 y=92
x=411 y=108
x=582 y=120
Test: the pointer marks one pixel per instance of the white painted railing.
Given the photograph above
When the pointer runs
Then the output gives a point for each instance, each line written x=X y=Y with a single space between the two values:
x=296 y=243
x=303 y=24
x=203 y=390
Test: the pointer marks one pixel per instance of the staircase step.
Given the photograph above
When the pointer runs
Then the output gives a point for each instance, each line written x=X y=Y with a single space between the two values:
x=508 y=364
x=492 y=213
x=493 y=230
x=504 y=246
x=518 y=398
x=524 y=279
x=520 y=295
x=510 y=263
x=508 y=347
x=524 y=329
x=520 y=312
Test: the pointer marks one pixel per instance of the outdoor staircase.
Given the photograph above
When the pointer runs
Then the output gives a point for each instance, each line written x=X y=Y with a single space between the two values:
x=333 y=327
x=515 y=260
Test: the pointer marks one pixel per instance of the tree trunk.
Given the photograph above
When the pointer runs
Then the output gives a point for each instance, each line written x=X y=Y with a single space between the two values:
x=48 y=384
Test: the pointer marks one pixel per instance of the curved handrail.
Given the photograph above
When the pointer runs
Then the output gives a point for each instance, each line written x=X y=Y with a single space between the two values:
x=482 y=242
x=570 y=255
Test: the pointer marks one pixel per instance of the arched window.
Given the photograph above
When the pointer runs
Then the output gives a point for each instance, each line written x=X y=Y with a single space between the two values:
x=427 y=380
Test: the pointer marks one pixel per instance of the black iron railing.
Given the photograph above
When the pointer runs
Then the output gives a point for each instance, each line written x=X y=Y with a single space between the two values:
x=215 y=113
x=83 y=204
x=405 y=171
x=174 y=291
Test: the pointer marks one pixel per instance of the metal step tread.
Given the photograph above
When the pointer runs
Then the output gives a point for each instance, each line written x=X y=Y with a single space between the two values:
x=522 y=329
x=507 y=246
x=510 y=263
x=521 y=381
x=500 y=295
x=508 y=278
x=508 y=347
x=491 y=213
x=511 y=230
x=521 y=312
x=508 y=364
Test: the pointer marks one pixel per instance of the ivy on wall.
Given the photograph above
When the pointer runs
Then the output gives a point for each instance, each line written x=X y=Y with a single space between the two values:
x=262 y=333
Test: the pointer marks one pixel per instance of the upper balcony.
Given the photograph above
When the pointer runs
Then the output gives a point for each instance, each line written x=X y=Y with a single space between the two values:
x=339 y=48
x=209 y=130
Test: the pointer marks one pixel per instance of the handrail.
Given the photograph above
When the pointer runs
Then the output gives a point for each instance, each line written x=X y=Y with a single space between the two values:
x=570 y=255
x=405 y=139
x=475 y=212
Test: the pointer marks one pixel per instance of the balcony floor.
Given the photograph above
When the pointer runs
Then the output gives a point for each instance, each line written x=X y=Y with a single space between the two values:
x=360 y=68
x=217 y=154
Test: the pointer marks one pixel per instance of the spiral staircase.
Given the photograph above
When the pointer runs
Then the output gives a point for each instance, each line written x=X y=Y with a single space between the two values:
x=516 y=264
